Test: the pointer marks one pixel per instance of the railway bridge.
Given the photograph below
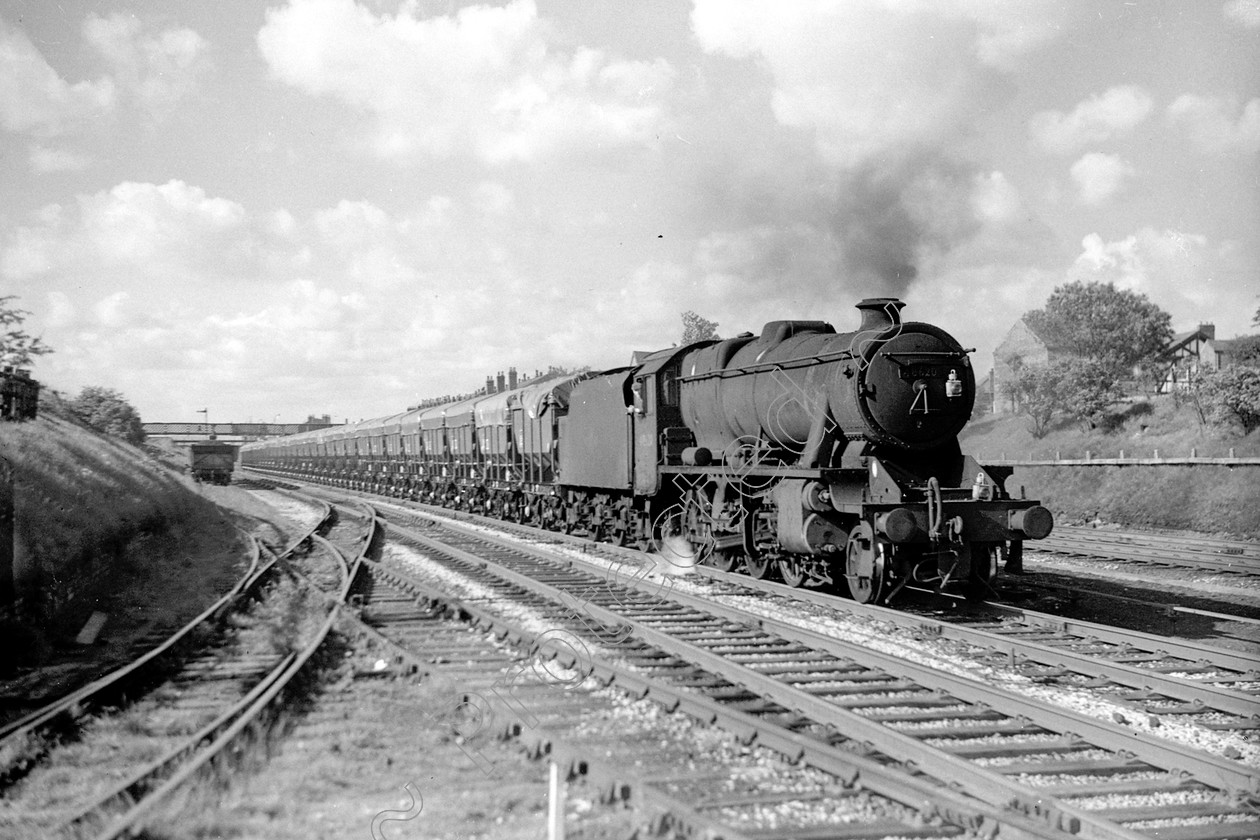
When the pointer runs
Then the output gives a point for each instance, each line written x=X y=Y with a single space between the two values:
x=185 y=433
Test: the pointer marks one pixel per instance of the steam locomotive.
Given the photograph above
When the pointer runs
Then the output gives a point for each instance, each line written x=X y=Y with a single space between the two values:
x=821 y=458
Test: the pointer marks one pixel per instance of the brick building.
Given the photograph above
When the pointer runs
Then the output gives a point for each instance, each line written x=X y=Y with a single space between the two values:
x=1021 y=346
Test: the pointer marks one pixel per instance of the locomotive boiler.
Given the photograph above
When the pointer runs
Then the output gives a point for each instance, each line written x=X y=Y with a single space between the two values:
x=822 y=458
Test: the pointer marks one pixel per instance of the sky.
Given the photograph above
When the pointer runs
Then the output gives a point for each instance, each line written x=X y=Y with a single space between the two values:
x=276 y=209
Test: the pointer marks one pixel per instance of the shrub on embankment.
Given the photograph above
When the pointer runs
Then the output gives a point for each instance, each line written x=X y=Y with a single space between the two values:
x=1213 y=499
x=80 y=500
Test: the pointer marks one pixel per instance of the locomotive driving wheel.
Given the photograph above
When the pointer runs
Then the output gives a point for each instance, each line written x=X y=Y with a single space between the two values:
x=759 y=566
x=792 y=570
x=864 y=564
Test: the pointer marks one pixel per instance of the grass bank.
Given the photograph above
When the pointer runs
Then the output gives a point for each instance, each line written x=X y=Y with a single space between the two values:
x=94 y=517
x=1211 y=499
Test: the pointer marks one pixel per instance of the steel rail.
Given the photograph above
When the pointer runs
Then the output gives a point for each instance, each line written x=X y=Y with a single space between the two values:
x=911 y=790
x=1198 y=543
x=1219 y=773
x=1193 y=653
x=144 y=808
x=261 y=699
x=993 y=788
x=76 y=702
x=1187 y=558
x=139 y=783
x=1215 y=697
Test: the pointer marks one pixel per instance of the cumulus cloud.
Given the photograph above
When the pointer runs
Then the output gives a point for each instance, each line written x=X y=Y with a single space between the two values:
x=35 y=100
x=1217 y=124
x=345 y=296
x=1099 y=176
x=1101 y=117
x=484 y=79
x=1244 y=12
x=1168 y=266
x=836 y=71
x=157 y=70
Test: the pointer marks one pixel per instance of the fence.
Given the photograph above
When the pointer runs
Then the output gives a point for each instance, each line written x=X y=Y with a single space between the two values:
x=1090 y=460
x=19 y=395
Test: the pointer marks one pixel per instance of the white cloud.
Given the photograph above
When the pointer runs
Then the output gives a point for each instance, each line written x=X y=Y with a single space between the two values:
x=162 y=229
x=1099 y=176
x=1244 y=12
x=1114 y=112
x=35 y=100
x=157 y=70
x=45 y=159
x=484 y=79
x=1215 y=124
x=1171 y=267
x=167 y=291
x=875 y=77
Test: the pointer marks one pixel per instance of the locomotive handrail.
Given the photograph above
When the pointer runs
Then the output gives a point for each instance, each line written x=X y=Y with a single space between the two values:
x=799 y=361
x=803 y=361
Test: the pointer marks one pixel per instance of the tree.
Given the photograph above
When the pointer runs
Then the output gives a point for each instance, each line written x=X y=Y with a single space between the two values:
x=1232 y=395
x=17 y=348
x=1079 y=389
x=1097 y=321
x=107 y=411
x=696 y=328
x=1245 y=351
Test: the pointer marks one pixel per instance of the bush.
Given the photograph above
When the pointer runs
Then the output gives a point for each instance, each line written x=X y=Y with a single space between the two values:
x=108 y=412
x=1079 y=388
x=1231 y=396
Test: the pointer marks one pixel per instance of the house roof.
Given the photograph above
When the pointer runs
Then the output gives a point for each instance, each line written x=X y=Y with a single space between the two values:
x=1183 y=339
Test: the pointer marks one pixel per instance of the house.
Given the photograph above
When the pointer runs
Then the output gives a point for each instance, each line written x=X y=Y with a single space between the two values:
x=1191 y=354
x=1021 y=346
x=1187 y=356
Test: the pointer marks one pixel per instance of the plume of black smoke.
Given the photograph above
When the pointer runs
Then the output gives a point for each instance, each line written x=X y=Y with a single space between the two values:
x=864 y=229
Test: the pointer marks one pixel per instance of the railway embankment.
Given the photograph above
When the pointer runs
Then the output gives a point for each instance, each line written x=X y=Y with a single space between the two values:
x=1206 y=498
x=100 y=526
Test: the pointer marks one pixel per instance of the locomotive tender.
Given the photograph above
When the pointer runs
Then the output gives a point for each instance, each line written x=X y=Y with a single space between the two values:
x=824 y=458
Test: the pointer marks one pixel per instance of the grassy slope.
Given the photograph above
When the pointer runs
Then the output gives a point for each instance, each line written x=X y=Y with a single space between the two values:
x=102 y=525
x=1209 y=499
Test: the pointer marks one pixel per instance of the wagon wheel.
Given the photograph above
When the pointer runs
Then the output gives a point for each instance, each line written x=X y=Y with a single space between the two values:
x=792 y=570
x=864 y=565
x=759 y=567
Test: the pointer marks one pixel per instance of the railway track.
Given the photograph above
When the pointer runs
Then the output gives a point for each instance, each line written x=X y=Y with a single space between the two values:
x=590 y=732
x=1000 y=747
x=1202 y=553
x=1136 y=672
x=102 y=762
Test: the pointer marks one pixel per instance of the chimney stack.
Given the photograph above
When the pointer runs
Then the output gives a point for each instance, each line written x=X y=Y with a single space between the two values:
x=1208 y=331
x=489 y=385
x=879 y=313
x=512 y=378
x=499 y=383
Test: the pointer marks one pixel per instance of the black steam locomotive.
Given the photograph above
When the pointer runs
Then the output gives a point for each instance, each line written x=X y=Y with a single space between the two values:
x=823 y=458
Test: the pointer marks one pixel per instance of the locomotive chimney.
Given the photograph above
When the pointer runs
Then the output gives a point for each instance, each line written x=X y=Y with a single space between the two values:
x=499 y=384
x=878 y=314
x=512 y=378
